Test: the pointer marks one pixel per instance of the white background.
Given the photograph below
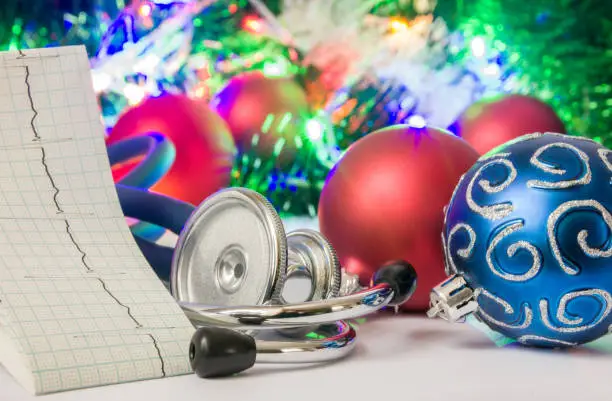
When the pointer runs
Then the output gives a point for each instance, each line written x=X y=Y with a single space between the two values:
x=397 y=358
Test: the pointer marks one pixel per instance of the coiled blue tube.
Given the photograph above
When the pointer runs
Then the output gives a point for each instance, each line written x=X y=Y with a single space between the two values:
x=148 y=207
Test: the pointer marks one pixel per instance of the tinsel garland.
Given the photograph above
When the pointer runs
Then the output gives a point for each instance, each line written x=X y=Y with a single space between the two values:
x=393 y=61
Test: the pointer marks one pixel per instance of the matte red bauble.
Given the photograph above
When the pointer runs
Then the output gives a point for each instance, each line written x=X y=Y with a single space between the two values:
x=385 y=199
x=250 y=100
x=493 y=121
x=203 y=143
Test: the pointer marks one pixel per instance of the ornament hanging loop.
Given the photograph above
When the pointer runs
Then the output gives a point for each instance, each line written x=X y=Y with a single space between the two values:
x=452 y=300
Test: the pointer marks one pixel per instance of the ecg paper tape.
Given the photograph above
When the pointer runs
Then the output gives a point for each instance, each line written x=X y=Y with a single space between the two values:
x=79 y=305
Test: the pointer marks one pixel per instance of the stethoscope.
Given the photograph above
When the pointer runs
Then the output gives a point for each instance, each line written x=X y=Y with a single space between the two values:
x=231 y=272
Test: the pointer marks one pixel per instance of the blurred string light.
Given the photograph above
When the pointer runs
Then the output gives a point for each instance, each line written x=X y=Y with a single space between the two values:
x=253 y=24
x=134 y=93
x=145 y=10
x=478 y=47
x=397 y=25
x=314 y=130
x=416 y=121
x=487 y=59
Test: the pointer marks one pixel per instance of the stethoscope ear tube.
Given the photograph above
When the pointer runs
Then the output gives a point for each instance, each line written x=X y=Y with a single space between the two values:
x=159 y=257
x=157 y=209
x=160 y=210
x=157 y=153
x=276 y=317
x=393 y=285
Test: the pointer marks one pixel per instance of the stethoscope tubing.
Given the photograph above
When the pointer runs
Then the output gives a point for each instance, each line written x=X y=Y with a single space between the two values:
x=336 y=311
x=312 y=313
x=331 y=348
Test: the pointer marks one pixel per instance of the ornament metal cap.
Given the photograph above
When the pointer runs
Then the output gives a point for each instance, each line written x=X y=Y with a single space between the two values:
x=452 y=300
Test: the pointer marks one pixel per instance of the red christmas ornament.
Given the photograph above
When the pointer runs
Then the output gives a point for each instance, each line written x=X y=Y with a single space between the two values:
x=385 y=198
x=493 y=121
x=203 y=143
x=250 y=100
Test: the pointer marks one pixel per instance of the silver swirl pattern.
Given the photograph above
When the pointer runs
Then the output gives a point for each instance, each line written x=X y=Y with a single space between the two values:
x=448 y=268
x=463 y=252
x=508 y=309
x=603 y=155
x=535 y=160
x=577 y=324
x=536 y=265
x=492 y=156
x=497 y=211
x=529 y=339
x=582 y=235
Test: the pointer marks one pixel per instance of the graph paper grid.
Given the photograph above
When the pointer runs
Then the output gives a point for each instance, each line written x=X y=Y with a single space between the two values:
x=78 y=301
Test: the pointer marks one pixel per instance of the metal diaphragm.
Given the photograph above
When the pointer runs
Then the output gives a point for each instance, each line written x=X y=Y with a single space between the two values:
x=231 y=252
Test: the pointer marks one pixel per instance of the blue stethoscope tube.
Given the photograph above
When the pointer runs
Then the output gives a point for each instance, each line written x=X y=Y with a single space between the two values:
x=139 y=203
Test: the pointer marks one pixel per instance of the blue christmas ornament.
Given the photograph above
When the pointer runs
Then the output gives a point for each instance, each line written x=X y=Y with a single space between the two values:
x=528 y=242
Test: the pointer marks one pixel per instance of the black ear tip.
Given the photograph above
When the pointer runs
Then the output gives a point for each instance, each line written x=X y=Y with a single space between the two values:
x=399 y=275
x=218 y=352
x=192 y=351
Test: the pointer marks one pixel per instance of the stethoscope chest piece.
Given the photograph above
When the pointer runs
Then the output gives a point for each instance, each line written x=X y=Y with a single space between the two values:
x=231 y=271
x=232 y=251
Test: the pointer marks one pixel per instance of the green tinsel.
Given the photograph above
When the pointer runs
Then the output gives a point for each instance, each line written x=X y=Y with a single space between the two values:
x=560 y=48
x=293 y=189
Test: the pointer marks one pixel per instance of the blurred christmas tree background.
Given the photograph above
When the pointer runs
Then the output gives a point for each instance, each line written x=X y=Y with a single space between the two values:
x=363 y=64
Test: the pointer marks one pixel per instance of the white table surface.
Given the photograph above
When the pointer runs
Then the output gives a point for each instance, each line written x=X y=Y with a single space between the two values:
x=397 y=358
